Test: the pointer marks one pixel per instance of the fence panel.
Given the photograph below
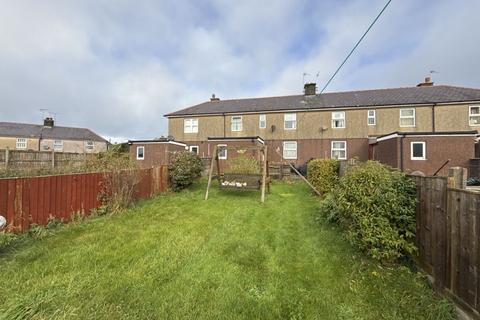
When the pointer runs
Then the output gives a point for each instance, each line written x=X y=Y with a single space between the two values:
x=34 y=200
x=448 y=232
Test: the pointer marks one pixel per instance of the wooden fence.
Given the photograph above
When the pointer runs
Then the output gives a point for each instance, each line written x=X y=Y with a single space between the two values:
x=35 y=200
x=35 y=160
x=448 y=235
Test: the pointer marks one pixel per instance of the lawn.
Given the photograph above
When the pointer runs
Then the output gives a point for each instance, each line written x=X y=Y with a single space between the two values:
x=180 y=257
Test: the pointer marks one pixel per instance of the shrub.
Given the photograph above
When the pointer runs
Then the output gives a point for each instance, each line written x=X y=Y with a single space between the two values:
x=244 y=165
x=185 y=167
x=323 y=174
x=376 y=208
x=6 y=238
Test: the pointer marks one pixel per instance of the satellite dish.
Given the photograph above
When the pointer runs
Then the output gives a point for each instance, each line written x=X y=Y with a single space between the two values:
x=3 y=222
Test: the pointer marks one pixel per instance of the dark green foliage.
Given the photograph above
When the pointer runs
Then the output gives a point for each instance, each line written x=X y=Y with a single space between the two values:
x=185 y=167
x=323 y=174
x=376 y=208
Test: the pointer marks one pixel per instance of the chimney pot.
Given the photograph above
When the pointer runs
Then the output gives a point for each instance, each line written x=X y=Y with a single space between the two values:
x=310 y=89
x=213 y=98
x=428 y=82
x=48 y=122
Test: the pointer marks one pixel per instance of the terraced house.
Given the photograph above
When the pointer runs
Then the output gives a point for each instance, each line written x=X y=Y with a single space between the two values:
x=425 y=127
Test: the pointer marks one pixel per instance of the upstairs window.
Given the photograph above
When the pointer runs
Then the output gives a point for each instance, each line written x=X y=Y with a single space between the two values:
x=57 y=145
x=89 y=145
x=339 y=150
x=371 y=121
x=190 y=125
x=140 y=153
x=418 y=151
x=222 y=151
x=474 y=116
x=21 y=143
x=290 y=121
x=338 y=119
x=262 y=121
x=290 y=150
x=237 y=123
x=407 y=117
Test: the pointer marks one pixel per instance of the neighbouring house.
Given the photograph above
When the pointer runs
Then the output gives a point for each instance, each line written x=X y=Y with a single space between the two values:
x=340 y=125
x=49 y=137
x=155 y=152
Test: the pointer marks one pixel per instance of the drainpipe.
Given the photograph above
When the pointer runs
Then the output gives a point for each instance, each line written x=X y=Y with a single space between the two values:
x=433 y=117
x=401 y=152
x=224 y=126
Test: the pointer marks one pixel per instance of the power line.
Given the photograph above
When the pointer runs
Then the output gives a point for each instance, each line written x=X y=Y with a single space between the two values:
x=356 y=45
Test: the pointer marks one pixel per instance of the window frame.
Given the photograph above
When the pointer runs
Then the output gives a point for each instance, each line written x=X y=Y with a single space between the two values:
x=24 y=143
x=55 y=145
x=143 y=152
x=239 y=128
x=332 y=149
x=218 y=153
x=264 y=116
x=286 y=149
x=374 y=117
x=414 y=117
x=191 y=147
x=188 y=125
x=294 y=121
x=470 y=115
x=86 y=145
x=424 y=150
x=335 y=119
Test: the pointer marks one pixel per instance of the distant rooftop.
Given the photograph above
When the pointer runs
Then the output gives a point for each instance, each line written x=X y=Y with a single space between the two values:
x=26 y=130
x=422 y=94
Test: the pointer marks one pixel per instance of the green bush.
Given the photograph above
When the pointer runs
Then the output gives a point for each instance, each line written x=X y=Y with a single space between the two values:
x=6 y=238
x=376 y=208
x=323 y=174
x=185 y=167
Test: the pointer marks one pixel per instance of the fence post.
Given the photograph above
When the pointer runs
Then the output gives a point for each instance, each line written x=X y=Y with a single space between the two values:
x=7 y=155
x=457 y=178
x=53 y=159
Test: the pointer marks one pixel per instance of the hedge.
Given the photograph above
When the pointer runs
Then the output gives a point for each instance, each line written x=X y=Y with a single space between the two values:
x=323 y=174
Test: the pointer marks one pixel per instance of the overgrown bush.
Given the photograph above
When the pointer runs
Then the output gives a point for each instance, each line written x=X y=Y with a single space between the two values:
x=323 y=174
x=6 y=238
x=185 y=167
x=243 y=165
x=376 y=208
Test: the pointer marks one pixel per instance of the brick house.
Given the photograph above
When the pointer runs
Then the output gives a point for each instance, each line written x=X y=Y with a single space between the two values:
x=340 y=124
x=50 y=137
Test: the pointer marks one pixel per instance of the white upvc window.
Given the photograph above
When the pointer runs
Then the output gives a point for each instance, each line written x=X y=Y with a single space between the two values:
x=418 y=150
x=21 y=143
x=140 y=152
x=193 y=149
x=57 y=145
x=237 y=124
x=407 y=117
x=338 y=119
x=190 y=125
x=290 y=121
x=371 y=117
x=222 y=151
x=474 y=115
x=290 y=150
x=89 y=145
x=262 y=121
x=339 y=150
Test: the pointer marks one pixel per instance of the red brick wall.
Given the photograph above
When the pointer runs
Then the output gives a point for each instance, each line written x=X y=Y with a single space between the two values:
x=155 y=153
x=387 y=152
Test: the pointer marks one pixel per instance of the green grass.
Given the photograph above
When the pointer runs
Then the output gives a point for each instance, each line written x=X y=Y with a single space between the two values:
x=180 y=257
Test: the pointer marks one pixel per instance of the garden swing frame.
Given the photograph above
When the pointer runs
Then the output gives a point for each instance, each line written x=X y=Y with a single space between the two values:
x=264 y=181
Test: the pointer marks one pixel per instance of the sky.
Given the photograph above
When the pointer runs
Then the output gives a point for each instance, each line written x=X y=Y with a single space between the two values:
x=117 y=67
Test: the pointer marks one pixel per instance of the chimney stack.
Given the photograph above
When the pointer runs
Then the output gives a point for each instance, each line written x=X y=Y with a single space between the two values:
x=48 y=122
x=428 y=83
x=213 y=98
x=310 y=89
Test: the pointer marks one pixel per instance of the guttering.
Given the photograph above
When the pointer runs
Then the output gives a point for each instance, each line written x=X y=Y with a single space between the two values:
x=398 y=134
x=130 y=142
x=253 y=138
